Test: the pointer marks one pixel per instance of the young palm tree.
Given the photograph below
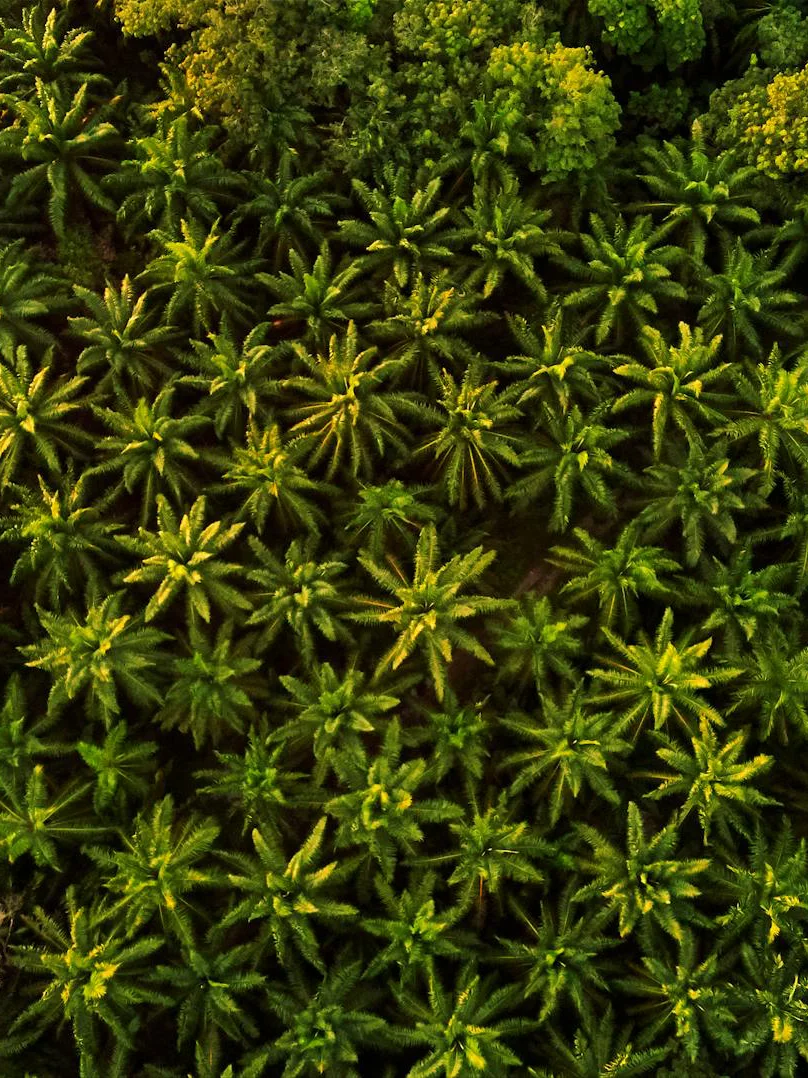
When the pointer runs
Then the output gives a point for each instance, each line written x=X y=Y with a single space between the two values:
x=333 y=714
x=27 y=294
x=476 y=439
x=94 y=979
x=425 y=610
x=62 y=144
x=492 y=142
x=673 y=383
x=173 y=175
x=122 y=768
x=202 y=276
x=563 y=955
x=380 y=809
x=713 y=780
x=414 y=932
x=44 y=47
x=96 y=656
x=597 y=1049
x=773 y=409
x=385 y=513
x=67 y=545
x=184 y=557
x=286 y=897
x=553 y=368
x=326 y=1028
x=352 y=418
x=428 y=328
x=617 y=576
x=747 y=299
x=628 y=275
x=534 y=641
x=124 y=338
x=37 y=821
x=660 y=678
x=773 y=1010
x=408 y=231
x=774 y=691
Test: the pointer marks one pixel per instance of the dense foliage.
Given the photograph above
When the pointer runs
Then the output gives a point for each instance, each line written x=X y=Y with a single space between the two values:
x=404 y=510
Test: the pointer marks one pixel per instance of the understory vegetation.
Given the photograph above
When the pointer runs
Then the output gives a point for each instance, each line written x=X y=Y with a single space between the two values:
x=404 y=535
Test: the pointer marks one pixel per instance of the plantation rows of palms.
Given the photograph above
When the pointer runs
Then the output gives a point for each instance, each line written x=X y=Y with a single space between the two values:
x=402 y=660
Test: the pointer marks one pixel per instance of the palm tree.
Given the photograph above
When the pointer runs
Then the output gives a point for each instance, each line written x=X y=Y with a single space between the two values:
x=44 y=47
x=212 y=689
x=699 y=494
x=124 y=338
x=235 y=378
x=461 y=1029
x=492 y=141
x=290 y=207
x=425 y=610
x=507 y=234
x=62 y=143
x=301 y=591
x=380 y=809
x=407 y=233
x=202 y=276
x=325 y=1026
x=414 y=932
x=96 y=656
x=742 y=603
x=150 y=449
x=773 y=408
x=572 y=455
x=318 y=295
x=427 y=328
x=94 y=978
x=644 y=879
x=284 y=895
x=713 y=780
x=673 y=382
x=164 y=860
x=36 y=820
x=569 y=746
x=534 y=641
x=173 y=175
x=628 y=275
x=476 y=437
x=386 y=512
x=772 y=1002
x=660 y=678
x=333 y=714
x=184 y=557
x=122 y=770
x=746 y=299
x=352 y=417
x=774 y=691
x=617 y=576
x=266 y=469
x=553 y=368
x=27 y=294
x=66 y=543
x=691 y=994
x=704 y=196
x=596 y=1049
x=36 y=413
